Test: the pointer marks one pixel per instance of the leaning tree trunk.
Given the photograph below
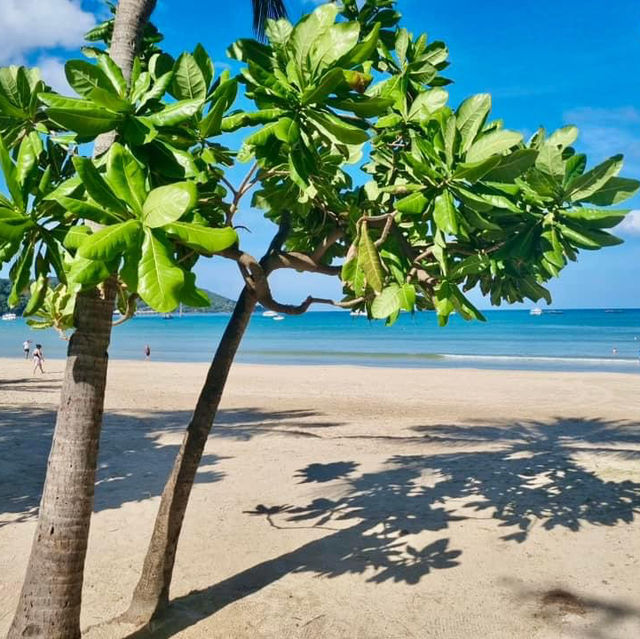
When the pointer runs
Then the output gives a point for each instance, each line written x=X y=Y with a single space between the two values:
x=51 y=595
x=152 y=591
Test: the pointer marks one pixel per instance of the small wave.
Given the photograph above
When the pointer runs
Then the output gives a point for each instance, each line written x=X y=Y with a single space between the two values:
x=545 y=358
x=343 y=354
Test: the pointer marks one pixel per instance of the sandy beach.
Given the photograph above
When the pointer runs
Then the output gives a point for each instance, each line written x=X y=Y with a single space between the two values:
x=345 y=502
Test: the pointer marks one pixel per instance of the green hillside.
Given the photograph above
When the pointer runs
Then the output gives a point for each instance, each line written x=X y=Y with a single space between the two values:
x=219 y=304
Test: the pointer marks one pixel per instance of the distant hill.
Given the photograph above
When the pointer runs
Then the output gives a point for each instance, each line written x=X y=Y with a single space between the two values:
x=5 y=290
x=219 y=304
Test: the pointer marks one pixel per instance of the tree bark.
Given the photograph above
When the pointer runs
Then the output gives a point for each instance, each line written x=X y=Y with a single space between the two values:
x=152 y=591
x=51 y=595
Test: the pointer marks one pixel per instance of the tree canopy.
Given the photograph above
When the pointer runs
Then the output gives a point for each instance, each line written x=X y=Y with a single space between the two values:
x=353 y=152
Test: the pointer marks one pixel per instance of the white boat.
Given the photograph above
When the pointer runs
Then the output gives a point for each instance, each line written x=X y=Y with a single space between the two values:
x=9 y=317
x=277 y=317
x=358 y=314
x=535 y=311
x=269 y=314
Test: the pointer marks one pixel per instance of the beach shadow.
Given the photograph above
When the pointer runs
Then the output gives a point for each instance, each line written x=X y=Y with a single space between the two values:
x=516 y=475
x=603 y=618
x=134 y=461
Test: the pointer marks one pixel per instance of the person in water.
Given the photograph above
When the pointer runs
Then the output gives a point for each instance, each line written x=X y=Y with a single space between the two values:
x=38 y=359
x=26 y=347
x=147 y=352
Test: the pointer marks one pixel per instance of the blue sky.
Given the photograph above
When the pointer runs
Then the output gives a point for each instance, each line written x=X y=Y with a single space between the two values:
x=545 y=63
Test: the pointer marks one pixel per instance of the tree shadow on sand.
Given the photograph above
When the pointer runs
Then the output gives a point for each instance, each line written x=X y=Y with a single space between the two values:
x=134 y=461
x=517 y=475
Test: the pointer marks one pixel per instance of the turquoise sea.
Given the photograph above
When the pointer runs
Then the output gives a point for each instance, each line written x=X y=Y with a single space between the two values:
x=579 y=340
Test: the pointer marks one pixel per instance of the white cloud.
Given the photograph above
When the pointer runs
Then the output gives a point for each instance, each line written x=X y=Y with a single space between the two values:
x=34 y=24
x=52 y=70
x=606 y=132
x=631 y=224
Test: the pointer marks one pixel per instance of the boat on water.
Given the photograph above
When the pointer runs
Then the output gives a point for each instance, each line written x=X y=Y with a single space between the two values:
x=167 y=316
x=9 y=317
x=358 y=314
x=269 y=314
x=277 y=317
x=535 y=311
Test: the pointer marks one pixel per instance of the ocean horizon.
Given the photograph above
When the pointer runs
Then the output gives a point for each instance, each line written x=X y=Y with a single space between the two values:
x=563 y=340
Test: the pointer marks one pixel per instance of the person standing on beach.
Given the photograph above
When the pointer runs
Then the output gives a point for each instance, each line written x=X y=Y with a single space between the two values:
x=26 y=347
x=38 y=359
x=147 y=352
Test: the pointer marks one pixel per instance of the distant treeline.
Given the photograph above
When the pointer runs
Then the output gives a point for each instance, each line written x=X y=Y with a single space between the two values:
x=219 y=304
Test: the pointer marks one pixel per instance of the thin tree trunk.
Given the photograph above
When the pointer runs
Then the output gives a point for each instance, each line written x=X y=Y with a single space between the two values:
x=50 y=599
x=152 y=591
x=51 y=595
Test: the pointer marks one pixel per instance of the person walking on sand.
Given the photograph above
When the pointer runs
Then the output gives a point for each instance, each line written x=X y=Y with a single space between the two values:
x=147 y=352
x=38 y=359
x=26 y=347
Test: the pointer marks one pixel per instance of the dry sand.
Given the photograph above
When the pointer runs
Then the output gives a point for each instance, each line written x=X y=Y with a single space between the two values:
x=351 y=502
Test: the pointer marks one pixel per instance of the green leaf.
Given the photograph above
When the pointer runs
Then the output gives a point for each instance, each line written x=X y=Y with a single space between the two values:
x=96 y=186
x=75 y=236
x=203 y=60
x=591 y=239
x=338 y=129
x=160 y=281
x=13 y=229
x=512 y=165
x=584 y=186
x=38 y=294
x=10 y=176
x=279 y=129
x=369 y=260
x=392 y=299
x=553 y=252
x=338 y=40
x=413 y=204
x=444 y=213
x=426 y=103
x=492 y=143
x=563 y=137
x=324 y=86
x=126 y=177
x=192 y=296
x=472 y=172
x=614 y=191
x=221 y=100
x=202 y=238
x=237 y=120
x=111 y=242
x=27 y=157
x=364 y=107
x=84 y=77
x=113 y=72
x=176 y=113
x=169 y=203
x=470 y=117
x=87 y=210
x=550 y=161
x=597 y=217
x=87 y=272
x=188 y=80
x=19 y=275
x=81 y=116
